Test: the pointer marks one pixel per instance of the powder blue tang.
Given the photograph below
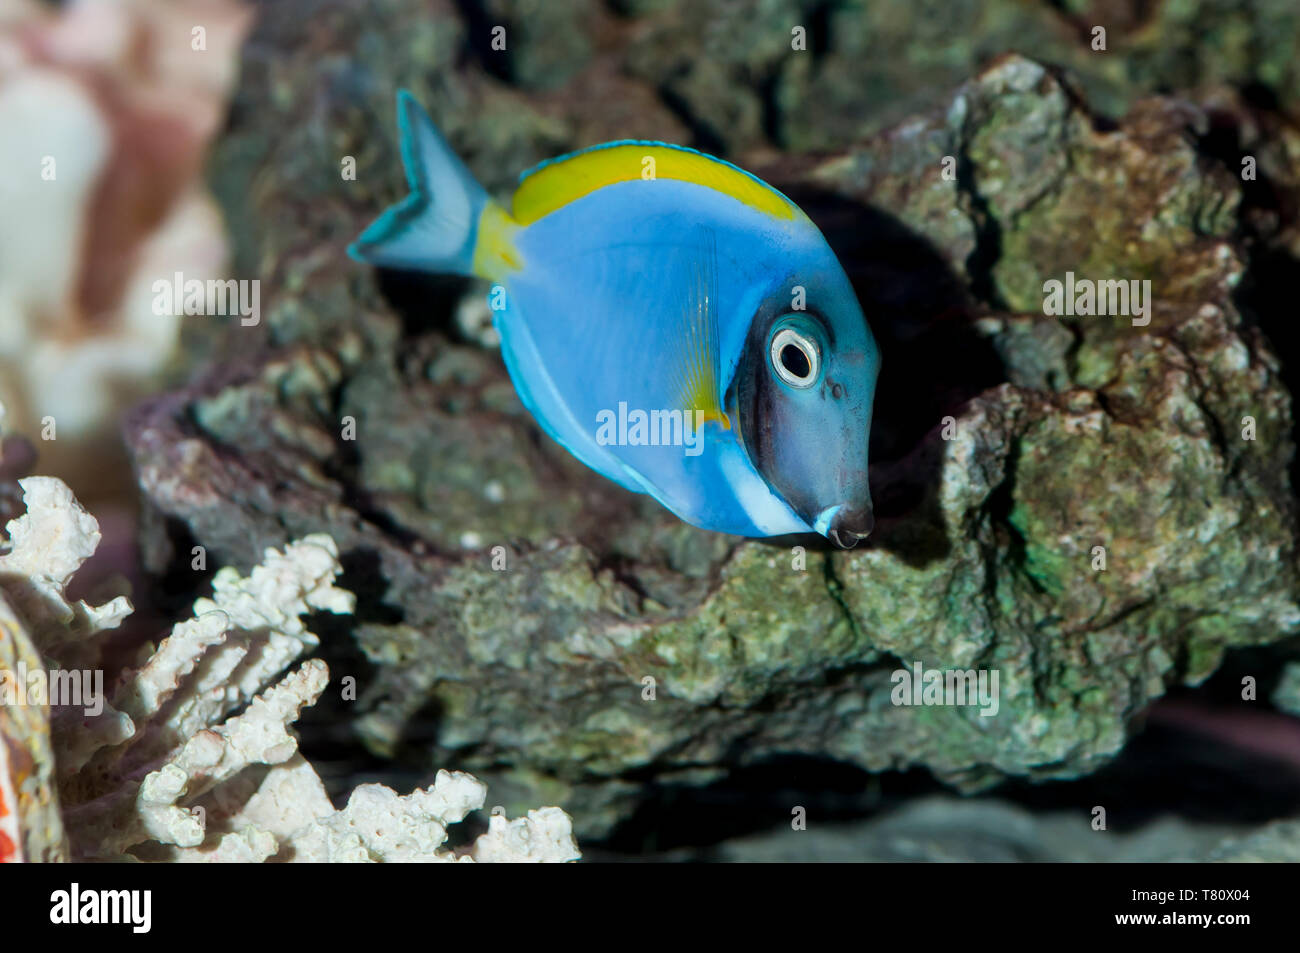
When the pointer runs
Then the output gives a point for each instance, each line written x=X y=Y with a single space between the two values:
x=674 y=322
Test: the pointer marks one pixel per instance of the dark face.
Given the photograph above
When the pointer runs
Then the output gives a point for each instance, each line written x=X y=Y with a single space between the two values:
x=803 y=393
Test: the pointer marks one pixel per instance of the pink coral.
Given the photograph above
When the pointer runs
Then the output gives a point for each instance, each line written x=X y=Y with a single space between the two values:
x=107 y=108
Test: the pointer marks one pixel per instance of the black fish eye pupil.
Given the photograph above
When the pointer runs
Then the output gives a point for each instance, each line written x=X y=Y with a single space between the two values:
x=794 y=360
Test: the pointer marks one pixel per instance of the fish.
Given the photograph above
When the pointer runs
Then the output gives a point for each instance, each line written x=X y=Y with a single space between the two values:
x=671 y=320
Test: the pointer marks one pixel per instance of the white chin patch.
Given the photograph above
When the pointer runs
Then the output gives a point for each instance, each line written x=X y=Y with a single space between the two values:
x=823 y=522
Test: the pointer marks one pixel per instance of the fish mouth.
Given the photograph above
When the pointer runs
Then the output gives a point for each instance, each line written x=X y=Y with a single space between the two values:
x=845 y=525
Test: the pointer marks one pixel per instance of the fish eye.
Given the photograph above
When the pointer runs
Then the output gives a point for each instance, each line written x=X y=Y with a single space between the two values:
x=796 y=358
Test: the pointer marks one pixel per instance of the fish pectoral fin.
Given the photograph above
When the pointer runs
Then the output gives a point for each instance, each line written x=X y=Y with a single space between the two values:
x=699 y=388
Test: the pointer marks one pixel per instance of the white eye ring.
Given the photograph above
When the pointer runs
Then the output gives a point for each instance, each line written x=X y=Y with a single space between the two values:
x=806 y=347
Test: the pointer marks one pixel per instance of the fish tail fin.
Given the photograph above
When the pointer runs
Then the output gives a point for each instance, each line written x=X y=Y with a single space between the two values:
x=448 y=224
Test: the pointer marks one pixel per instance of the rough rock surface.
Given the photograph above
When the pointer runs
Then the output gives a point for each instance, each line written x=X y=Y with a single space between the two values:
x=1066 y=434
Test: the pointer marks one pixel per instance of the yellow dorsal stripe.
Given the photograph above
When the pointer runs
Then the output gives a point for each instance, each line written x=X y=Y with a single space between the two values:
x=557 y=184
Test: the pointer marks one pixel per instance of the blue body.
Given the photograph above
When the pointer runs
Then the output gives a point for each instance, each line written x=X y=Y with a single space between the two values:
x=604 y=306
x=594 y=318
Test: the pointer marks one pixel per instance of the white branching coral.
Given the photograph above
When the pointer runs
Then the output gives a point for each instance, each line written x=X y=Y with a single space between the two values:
x=48 y=545
x=191 y=757
x=544 y=836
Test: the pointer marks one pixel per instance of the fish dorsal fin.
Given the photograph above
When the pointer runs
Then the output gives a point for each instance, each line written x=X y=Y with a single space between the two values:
x=698 y=384
x=557 y=182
